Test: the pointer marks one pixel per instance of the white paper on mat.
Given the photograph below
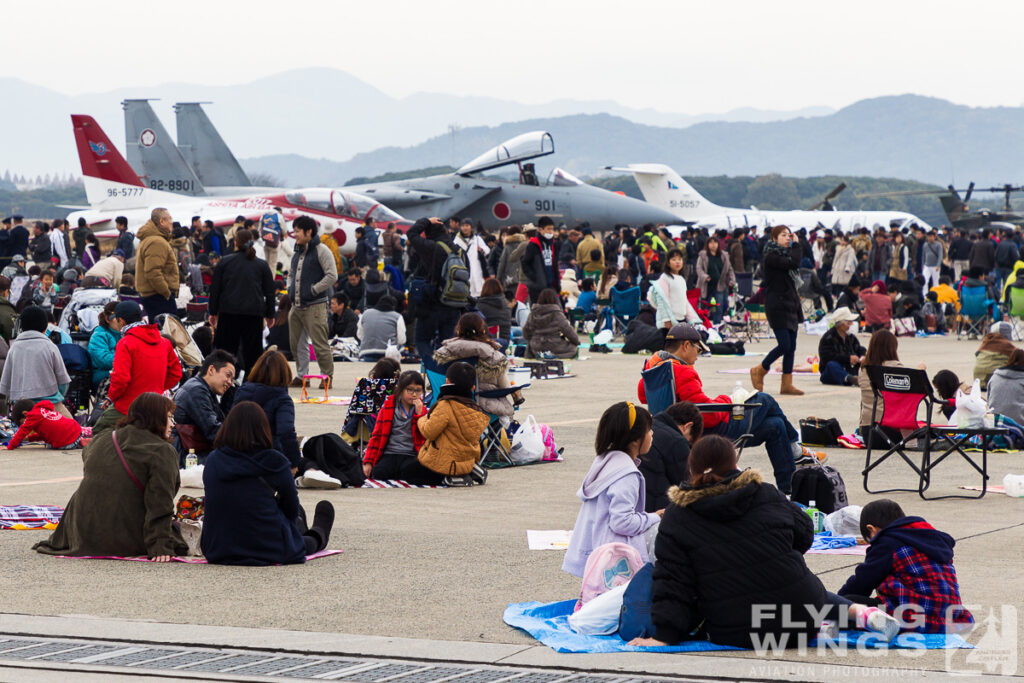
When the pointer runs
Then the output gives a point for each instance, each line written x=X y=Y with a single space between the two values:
x=548 y=539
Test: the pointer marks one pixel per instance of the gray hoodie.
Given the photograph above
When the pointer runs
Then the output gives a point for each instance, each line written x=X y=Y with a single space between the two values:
x=1006 y=393
x=34 y=368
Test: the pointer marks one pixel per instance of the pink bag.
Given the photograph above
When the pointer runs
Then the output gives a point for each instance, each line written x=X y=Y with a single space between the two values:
x=550 y=447
x=608 y=566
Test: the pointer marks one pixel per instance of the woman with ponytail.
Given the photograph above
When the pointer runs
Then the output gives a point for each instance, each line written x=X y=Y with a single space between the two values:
x=241 y=298
x=613 y=492
x=730 y=555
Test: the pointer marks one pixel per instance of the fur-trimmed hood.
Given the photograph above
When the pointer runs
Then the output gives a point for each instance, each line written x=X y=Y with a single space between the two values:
x=686 y=495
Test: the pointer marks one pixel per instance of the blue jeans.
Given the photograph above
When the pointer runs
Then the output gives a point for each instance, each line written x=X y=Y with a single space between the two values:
x=785 y=348
x=439 y=322
x=834 y=373
x=769 y=426
x=721 y=304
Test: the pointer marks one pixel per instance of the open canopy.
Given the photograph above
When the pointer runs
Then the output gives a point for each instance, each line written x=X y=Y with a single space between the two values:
x=530 y=145
x=346 y=204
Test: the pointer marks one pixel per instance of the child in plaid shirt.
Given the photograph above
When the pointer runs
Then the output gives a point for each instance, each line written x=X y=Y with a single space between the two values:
x=909 y=563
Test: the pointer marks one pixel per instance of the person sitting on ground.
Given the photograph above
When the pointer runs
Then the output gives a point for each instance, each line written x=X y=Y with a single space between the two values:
x=882 y=351
x=343 y=321
x=730 y=554
x=127 y=287
x=1006 y=388
x=850 y=297
x=267 y=386
x=472 y=341
x=386 y=372
x=933 y=315
x=908 y=564
x=945 y=293
x=102 y=343
x=396 y=440
x=946 y=384
x=547 y=331
x=198 y=414
x=994 y=353
x=877 y=306
x=378 y=288
x=379 y=326
x=839 y=352
x=452 y=430
x=252 y=515
x=355 y=289
x=613 y=491
x=144 y=361
x=34 y=368
x=124 y=505
x=664 y=465
x=203 y=338
x=494 y=307
x=41 y=422
x=767 y=423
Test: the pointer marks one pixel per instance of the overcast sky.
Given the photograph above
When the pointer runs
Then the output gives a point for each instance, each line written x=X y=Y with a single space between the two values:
x=680 y=56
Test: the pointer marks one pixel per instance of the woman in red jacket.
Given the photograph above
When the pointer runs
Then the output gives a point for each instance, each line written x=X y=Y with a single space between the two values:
x=396 y=439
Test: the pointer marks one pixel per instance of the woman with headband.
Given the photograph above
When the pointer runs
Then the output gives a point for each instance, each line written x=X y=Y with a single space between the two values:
x=613 y=491
x=242 y=296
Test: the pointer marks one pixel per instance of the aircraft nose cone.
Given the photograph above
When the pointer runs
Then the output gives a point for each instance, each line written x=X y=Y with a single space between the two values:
x=639 y=212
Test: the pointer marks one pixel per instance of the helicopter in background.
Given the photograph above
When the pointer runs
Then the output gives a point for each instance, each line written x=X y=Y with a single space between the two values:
x=959 y=213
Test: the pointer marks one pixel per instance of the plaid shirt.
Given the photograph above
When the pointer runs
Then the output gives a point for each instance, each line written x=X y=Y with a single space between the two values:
x=916 y=579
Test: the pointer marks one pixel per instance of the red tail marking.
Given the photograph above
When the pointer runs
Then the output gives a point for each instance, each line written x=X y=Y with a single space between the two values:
x=99 y=157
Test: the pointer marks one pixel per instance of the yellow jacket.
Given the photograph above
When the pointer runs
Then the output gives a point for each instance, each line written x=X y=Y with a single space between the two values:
x=452 y=431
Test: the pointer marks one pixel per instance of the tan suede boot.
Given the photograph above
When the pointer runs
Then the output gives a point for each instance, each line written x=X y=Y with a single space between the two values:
x=757 y=374
x=788 y=388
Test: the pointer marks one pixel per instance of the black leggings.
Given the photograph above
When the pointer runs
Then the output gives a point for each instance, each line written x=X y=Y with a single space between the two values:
x=407 y=468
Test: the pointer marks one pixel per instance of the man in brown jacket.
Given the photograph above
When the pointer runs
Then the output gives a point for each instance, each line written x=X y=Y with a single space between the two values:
x=592 y=267
x=156 y=268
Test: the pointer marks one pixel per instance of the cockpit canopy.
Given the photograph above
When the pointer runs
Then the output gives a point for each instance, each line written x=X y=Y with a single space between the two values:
x=345 y=204
x=561 y=178
x=530 y=145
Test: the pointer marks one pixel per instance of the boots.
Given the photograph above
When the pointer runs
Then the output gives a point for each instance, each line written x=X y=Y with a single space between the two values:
x=788 y=388
x=757 y=374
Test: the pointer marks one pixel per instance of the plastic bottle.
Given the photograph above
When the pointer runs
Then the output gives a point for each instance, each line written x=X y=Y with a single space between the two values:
x=191 y=460
x=817 y=517
x=1014 y=485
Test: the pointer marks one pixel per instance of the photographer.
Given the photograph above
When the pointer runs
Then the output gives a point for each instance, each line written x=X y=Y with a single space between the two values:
x=433 y=319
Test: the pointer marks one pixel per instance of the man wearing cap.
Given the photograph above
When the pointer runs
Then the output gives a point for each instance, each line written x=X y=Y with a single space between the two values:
x=839 y=352
x=143 y=361
x=766 y=423
x=106 y=272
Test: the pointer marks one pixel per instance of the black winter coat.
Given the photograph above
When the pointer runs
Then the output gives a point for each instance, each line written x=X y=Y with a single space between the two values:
x=782 y=303
x=196 y=404
x=724 y=548
x=279 y=408
x=242 y=286
x=665 y=465
x=833 y=347
x=535 y=274
x=496 y=312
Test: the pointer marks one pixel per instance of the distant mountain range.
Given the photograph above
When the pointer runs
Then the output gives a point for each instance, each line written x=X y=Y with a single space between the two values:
x=314 y=112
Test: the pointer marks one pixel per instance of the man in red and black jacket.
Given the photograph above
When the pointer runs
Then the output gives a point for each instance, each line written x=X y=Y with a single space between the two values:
x=143 y=361
x=766 y=422
x=540 y=264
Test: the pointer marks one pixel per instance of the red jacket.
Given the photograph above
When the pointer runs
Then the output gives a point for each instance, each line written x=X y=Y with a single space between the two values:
x=382 y=431
x=143 y=361
x=44 y=423
x=688 y=387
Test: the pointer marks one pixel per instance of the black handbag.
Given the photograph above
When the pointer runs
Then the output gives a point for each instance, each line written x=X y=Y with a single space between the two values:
x=818 y=431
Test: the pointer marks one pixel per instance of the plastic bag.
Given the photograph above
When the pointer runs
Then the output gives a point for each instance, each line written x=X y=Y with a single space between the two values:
x=527 y=443
x=970 y=408
x=844 y=522
x=600 y=616
x=392 y=352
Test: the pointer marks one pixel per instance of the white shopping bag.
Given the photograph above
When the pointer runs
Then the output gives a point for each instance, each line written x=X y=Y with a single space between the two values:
x=600 y=616
x=527 y=443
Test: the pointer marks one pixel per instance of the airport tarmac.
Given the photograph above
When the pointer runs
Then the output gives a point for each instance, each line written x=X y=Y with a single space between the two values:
x=439 y=566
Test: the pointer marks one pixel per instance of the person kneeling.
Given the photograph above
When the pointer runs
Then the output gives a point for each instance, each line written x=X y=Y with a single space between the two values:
x=396 y=438
x=41 y=422
x=452 y=430
x=252 y=514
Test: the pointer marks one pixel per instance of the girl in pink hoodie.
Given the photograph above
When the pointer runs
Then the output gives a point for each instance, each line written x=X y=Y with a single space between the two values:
x=613 y=490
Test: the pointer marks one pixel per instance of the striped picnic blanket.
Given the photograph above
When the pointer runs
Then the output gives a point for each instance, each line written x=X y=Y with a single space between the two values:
x=22 y=517
x=395 y=484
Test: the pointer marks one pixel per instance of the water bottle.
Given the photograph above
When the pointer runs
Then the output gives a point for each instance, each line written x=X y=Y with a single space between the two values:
x=817 y=517
x=191 y=460
x=1014 y=485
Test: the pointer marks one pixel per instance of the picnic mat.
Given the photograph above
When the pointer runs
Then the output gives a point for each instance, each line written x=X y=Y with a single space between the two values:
x=396 y=484
x=23 y=517
x=185 y=560
x=746 y=371
x=860 y=550
x=331 y=400
x=548 y=623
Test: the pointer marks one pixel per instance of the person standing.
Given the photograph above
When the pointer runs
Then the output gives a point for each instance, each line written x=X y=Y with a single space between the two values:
x=960 y=254
x=844 y=265
x=393 y=248
x=983 y=252
x=125 y=240
x=782 y=306
x=241 y=298
x=311 y=277
x=539 y=266
x=592 y=267
x=271 y=233
x=931 y=262
x=474 y=254
x=156 y=268
x=879 y=258
x=60 y=245
x=434 y=320
x=715 y=277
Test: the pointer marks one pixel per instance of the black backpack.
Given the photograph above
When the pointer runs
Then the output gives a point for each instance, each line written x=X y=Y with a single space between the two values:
x=330 y=454
x=821 y=483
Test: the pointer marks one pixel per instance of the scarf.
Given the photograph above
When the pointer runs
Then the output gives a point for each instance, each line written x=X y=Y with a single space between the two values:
x=773 y=247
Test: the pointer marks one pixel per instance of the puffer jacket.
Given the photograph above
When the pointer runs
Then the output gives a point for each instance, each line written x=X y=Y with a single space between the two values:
x=102 y=344
x=547 y=329
x=452 y=430
x=496 y=313
x=511 y=265
x=844 y=265
x=279 y=408
x=781 y=301
x=724 y=548
x=1006 y=393
x=156 y=266
x=242 y=286
x=143 y=361
x=491 y=370
x=664 y=466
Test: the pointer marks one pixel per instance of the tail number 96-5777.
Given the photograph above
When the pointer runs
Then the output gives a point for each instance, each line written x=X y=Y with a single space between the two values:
x=545 y=205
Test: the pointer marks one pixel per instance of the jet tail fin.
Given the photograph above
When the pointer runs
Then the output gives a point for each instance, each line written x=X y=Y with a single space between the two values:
x=152 y=152
x=664 y=188
x=205 y=149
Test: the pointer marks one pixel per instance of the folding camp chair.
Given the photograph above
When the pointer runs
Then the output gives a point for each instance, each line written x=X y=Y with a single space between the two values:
x=367 y=400
x=901 y=392
x=974 y=316
x=1015 y=304
x=625 y=306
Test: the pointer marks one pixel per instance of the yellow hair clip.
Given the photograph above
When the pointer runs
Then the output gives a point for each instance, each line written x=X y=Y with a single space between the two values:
x=632 y=413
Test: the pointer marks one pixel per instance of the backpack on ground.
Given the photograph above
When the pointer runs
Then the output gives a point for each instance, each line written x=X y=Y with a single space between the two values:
x=454 y=278
x=330 y=454
x=821 y=483
x=608 y=566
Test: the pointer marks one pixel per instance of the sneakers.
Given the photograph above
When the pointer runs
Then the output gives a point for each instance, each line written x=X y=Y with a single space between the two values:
x=828 y=630
x=478 y=474
x=809 y=457
x=850 y=441
x=317 y=479
x=881 y=623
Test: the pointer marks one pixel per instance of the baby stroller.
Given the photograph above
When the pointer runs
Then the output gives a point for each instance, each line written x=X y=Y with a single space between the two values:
x=76 y=361
x=172 y=329
x=82 y=313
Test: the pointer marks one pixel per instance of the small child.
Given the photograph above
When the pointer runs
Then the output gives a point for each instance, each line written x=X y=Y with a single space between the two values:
x=613 y=492
x=909 y=563
x=41 y=422
x=588 y=297
x=452 y=430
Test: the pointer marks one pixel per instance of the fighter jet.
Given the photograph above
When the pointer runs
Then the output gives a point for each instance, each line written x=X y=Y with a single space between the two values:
x=663 y=187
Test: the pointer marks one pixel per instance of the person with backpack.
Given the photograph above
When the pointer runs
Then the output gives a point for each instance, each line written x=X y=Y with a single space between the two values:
x=311 y=278
x=613 y=492
x=439 y=286
x=271 y=233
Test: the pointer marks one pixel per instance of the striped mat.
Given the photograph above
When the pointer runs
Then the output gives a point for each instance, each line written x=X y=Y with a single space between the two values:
x=22 y=517
x=395 y=484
